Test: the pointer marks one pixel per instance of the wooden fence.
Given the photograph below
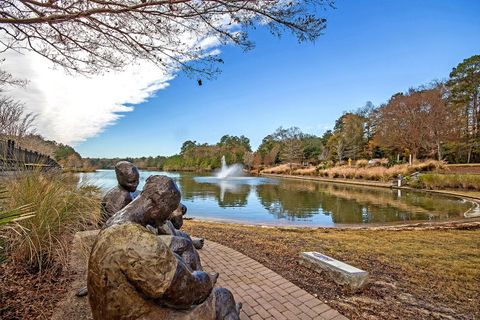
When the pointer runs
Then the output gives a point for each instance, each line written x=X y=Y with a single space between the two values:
x=16 y=158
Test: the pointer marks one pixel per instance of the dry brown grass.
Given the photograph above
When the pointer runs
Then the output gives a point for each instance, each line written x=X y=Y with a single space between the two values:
x=361 y=170
x=309 y=171
x=282 y=168
x=362 y=163
x=379 y=173
x=418 y=274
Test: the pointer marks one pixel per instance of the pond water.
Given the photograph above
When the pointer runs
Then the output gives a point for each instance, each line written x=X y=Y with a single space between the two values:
x=295 y=202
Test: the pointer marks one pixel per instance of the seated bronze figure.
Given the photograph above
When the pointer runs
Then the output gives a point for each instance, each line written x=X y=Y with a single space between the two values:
x=122 y=194
x=175 y=222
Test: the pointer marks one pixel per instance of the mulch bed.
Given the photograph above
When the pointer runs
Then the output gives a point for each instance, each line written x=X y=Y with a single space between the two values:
x=25 y=295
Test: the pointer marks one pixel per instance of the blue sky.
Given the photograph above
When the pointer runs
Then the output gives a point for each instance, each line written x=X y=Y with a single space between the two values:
x=370 y=50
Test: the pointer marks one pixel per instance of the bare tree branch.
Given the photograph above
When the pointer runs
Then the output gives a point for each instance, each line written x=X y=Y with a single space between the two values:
x=14 y=121
x=91 y=36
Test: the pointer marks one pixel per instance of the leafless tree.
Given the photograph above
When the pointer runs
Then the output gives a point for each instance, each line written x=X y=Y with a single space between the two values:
x=14 y=120
x=248 y=159
x=94 y=35
x=417 y=121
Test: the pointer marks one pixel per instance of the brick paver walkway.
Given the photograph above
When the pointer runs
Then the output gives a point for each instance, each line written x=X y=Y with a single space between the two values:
x=264 y=293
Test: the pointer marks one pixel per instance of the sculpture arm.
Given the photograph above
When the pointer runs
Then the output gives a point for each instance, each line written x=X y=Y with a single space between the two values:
x=179 y=244
x=151 y=266
x=162 y=275
x=188 y=288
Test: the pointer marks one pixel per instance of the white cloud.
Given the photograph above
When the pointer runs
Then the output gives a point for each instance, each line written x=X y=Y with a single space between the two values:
x=72 y=109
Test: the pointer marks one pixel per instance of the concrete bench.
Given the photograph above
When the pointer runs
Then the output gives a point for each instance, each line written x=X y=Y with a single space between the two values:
x=340 y=272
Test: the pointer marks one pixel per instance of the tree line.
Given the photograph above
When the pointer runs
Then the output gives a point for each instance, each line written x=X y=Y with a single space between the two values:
x=438 y=121
x=193 y=156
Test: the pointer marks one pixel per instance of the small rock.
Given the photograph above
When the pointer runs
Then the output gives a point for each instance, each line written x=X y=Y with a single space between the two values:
x=82 y=292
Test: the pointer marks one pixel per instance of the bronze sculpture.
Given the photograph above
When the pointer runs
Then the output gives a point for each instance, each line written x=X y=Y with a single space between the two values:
x=122 y=194
x=134 y=273
x=175 y=222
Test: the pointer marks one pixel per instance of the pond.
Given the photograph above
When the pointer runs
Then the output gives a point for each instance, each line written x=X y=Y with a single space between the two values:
x=258 y=200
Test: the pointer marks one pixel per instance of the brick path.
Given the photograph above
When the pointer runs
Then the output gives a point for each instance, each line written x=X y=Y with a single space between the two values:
x=264 y=293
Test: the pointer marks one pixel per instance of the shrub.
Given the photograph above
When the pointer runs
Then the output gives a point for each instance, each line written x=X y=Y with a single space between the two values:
x=61 y=208
x=362 y=163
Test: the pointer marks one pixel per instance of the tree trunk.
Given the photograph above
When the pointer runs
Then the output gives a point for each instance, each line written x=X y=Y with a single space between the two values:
x=469 y=153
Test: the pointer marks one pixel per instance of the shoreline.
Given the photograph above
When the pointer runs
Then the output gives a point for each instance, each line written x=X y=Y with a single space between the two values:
x=454 y=193
x=463 y=223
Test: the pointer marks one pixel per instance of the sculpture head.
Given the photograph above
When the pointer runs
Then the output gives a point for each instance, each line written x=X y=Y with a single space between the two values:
x=127 y=175
x=176 y=218
x=165 y=197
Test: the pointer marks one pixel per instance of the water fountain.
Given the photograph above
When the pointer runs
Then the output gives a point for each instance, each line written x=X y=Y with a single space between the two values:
x=232 y=171
x=231 y=178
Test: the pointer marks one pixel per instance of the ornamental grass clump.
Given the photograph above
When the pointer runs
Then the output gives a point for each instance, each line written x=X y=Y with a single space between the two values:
x=362 y=163
x=61 y=208
x=282 y=168
x=379 y=172
x=309 y=171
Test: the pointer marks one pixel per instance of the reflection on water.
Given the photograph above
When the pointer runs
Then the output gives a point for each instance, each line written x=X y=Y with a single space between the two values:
x=296 y=202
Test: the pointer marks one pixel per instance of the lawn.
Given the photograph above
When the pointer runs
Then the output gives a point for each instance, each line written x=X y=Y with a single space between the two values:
x=415 y=274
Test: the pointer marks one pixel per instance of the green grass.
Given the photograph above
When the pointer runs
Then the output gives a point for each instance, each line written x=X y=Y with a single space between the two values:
x=449 y=181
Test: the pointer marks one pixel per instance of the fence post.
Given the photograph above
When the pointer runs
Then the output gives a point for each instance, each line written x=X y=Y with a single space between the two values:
x=14 y=157
x=10 y=149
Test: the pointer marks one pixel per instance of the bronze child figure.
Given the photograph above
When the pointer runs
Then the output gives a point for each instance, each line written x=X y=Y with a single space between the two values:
x=122 y=194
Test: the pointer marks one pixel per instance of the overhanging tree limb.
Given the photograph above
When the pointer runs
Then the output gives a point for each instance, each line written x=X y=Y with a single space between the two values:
x=89 y=36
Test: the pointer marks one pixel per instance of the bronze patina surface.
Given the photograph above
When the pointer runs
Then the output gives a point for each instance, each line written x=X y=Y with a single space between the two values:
x=135 y=273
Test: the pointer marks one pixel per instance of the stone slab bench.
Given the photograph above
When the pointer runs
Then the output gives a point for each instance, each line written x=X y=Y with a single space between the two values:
x=340 y=272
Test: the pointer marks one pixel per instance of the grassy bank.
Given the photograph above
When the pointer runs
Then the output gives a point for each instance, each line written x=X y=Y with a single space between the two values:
x=435 y=175
x=437 y=181
x=416 y=274
x=360 y=170
x=34 y=272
